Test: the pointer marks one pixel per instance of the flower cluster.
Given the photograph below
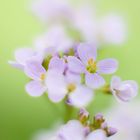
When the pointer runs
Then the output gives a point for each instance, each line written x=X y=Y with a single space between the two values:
x=82 y=21
x=66 y=67
x=81 y=129
x=72 y=75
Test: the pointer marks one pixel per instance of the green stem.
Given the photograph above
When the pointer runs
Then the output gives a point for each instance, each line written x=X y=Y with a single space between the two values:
x=51 y=104
x=68 y=113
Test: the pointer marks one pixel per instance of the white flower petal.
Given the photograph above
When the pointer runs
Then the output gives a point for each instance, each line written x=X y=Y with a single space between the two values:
x=86 y=52
x=81 y=96
x=75 y=65
x=97 y=135
x=23 y=54
x=94 y=80
x=73 y=130
x=107 y=66
x=56 y=85
x=16 y=65
x=35 y=88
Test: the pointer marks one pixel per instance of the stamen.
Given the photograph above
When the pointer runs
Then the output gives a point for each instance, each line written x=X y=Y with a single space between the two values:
x=91 y=67
x=71 y=88
x=42 y=76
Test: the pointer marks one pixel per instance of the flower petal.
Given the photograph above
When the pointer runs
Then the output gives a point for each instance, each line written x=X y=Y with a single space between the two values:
x=107 y=66
x=16 y=65
x=56 y=86
x=97 y=135
x=34 y=70
x=125 y=92
x=75 y=65
x=73 y=130
x=35 y=88
x=115 y=82
x=133 y=84
x=81 y=96
x=94 y=80
x=73 y=77
x=86 y=52
x=57 y=64
x=113 y=29
x=23 y=54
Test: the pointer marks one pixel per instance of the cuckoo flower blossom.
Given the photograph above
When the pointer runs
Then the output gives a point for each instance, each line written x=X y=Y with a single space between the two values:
x=87 y=64
x=51 y=10
x=74 y=130
x=24 y=54
x=123 y=90
x=35 y=70
x=55 y=37
x=37 y=73
x=60 y=86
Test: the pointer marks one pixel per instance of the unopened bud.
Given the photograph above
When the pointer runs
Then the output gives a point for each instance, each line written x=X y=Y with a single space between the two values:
x=111 y=131
x=83 y=115
x=99 y=118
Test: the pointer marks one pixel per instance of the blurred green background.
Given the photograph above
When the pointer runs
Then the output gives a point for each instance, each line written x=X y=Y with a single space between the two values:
x=22 y=115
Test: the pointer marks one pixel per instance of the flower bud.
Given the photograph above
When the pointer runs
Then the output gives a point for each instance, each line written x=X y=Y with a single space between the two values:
x=111 y=131
x=83 y=115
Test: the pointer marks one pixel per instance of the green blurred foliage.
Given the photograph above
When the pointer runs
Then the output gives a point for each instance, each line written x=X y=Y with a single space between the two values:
x=22 y=115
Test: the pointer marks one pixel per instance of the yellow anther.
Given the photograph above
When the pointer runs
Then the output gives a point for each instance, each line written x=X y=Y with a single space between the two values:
x=71 y=87
x=42 y=76
x=91 y=67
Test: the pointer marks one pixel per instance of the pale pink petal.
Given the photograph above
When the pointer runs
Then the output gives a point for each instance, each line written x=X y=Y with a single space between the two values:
x=107 y=66
x=16 y=65
x=34 y=70
x=73 y=77
x=75 y=65
x=115 y=82
x=73 y=130
x=113 y=29
x=94 y=80
x=86 y=52
x=125 y=92
x=57 y=64
x=133 y=84
x=23 y=54
x=56 y=86
x=81 y=96
x=35 y=88
x=97 y=135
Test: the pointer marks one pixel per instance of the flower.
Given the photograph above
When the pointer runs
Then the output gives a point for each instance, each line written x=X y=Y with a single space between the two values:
x=56 y=38
x=54 y=10
x=60 y=85
x=35 y=70
x=37 y=73
x=74 y=130
x=126 y=117
x=22 y=55
x=88 y=65
x=123 y=90
x=112 y=29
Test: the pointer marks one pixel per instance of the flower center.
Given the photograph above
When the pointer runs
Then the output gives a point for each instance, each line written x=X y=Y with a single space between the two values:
x=91 y=67
x=71 y=88
x=42 y=76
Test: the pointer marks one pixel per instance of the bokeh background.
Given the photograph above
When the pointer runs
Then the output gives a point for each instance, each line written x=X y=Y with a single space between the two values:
x=22 y=115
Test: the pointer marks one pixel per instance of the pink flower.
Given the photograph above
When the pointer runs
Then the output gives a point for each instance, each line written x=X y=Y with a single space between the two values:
x=123 y=90
x=60 y=85
x=88 y=65
x=74 y=130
